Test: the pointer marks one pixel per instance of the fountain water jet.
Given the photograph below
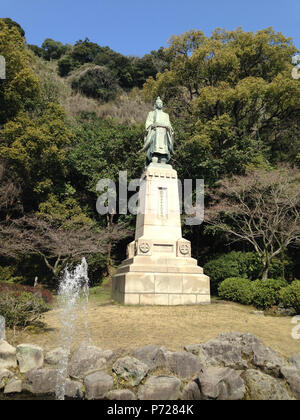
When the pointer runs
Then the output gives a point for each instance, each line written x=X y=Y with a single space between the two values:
x=73 y=295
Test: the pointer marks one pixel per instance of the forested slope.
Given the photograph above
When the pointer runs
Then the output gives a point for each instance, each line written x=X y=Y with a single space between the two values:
x=71 y=115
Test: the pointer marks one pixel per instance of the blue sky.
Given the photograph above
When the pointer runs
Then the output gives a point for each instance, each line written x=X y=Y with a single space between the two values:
x=135 y=27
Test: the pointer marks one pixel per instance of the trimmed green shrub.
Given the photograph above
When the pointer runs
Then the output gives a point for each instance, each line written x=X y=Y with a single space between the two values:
x=219 y=269
x=267 y=293
x=21 y=308
x=237 y=290
x=233 y=264
x=290 y=296
x=243 y=264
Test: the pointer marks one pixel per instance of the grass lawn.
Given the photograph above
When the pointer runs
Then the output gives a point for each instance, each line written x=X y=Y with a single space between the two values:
x=124 y=328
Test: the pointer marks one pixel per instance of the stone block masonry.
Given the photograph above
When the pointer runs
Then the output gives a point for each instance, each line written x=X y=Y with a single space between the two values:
x=159 y=269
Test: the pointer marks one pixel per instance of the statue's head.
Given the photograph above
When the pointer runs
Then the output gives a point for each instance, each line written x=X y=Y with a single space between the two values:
x=158 y=103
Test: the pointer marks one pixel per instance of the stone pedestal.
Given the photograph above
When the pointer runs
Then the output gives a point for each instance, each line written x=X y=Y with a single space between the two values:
x=159 y=269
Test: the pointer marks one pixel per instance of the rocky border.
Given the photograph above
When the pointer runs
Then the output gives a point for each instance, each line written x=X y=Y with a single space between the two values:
x=233 y=366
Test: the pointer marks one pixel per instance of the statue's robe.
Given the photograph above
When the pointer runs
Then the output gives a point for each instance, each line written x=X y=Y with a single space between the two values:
x=159 y=135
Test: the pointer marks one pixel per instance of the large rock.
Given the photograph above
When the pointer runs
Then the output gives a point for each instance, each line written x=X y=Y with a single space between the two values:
x=192 y=392
x=217 y=383
x=85 y=360
x=148 y=355
x=295 y=360
x=44 y=382
x=219 y=352
x=53 y=357
x=161 y=388
x=7 y=355
x=2 y=327
x=120 y=395
x=183 y=364
x=238 y=351
x=108 y=355
x=97 y=384
x=29 y=356
x=261 y=386
x=73 y=389
x=41 y=381
x=292 y=376
x=5 y=374
x=130 y=369
x=193 y=348
x=14 y=386
x=267 y=359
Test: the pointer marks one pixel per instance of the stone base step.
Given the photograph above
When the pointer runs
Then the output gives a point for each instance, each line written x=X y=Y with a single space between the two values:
x=161 y=299
x=159 y=269
x=153 y=288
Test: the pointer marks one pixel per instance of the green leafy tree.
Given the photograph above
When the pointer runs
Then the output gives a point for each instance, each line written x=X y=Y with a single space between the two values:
x=81 y=53
x=64 y=211
x=95 y=81
x=143 y=68
x=85 y=51
x=235 y=100
x=53 y=50
x=35 y=150
x=161 y=60
x=12 y=24
x=38 y=51
x=66 y=64
x=102 y=149
x=20 y=89
x=118 y=64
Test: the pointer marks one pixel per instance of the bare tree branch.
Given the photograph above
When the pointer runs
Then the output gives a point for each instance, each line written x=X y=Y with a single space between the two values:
x=261 y=208
x=57 y=246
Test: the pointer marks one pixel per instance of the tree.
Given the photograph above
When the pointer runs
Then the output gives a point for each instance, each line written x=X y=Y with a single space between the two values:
x=73 y=57
x=20 y=89
x=119 y=65
x=63 y=210
x=57 y=246
x=66 y=64
x=35 y=151
x=38 y=51
x=95 y=81
x=143 y=68
x=232 y=99
x=11 y=23
x=85 y=51
x=128 y=71
x=161 y=60
x=53 y=50
x=10 y=192
x=261 y=208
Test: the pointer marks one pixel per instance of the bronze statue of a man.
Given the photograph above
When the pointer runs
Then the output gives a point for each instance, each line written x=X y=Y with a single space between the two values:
x=159 y=138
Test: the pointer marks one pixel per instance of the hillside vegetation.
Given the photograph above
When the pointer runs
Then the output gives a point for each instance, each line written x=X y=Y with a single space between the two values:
x=73 y=114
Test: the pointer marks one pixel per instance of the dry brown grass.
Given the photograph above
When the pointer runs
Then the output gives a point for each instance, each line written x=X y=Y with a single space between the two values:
x=126 y=108
x=129 y=108
x=124 y=328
